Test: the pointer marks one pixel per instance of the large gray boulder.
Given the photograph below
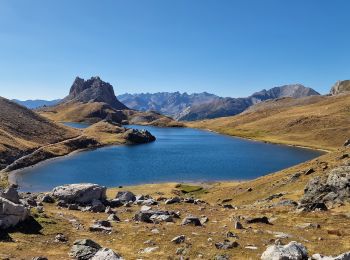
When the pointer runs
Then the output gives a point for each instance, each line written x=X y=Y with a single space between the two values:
x=333 y=189
x=83 y=193
x=85 y=249
x=125 y=196
x=11 y=213
x=291 y=251
x=106 y=254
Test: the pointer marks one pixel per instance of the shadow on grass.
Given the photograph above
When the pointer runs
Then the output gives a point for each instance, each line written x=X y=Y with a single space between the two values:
x=29 y=226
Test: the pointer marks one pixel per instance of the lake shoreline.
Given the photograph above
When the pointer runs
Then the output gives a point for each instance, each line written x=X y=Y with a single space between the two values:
x=14 y=176
x=267 y=142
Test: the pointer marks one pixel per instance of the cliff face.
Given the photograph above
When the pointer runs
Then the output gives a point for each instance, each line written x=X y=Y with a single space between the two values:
x=93 y=90
x=340 y=87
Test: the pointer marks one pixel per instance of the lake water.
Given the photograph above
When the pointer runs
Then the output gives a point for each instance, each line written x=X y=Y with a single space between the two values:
x=178 y=154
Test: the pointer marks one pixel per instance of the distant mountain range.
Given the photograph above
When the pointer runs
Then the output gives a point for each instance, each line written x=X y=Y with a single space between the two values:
x=189 y=107
x=180 y=106
x=36 y=103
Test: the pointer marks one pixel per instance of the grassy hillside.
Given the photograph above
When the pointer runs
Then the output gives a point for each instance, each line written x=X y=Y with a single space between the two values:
x=318 y=122
x=93 y=112
x=22 y=131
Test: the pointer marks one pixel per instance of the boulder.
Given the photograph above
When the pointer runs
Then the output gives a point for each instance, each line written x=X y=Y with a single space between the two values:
x=333 y=189
x=344 y=256
x=238 y=225
x=113 y=217
x=173 y=200
x=106 y=254
x=152 y=216
x=101 y=226
x=347 y=142
x=60 y=238
x=11 y=213
x=291 y=251
x=83 y=193
x=191 y=220
x=179 y=239
x=138 y=136
x=10 y=194
x=84 y=249
x=125 y=196
x=226 y=244
x=47 y=198
x=97 y=206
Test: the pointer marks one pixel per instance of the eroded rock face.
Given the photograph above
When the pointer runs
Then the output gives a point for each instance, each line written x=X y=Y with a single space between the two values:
x=138 y=136
x=11 y=213
x=334 y=189
x=339 y=87
x=291 y=251
x=83 y=193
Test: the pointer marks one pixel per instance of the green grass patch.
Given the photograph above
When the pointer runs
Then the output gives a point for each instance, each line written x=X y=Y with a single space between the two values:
x=185 y=188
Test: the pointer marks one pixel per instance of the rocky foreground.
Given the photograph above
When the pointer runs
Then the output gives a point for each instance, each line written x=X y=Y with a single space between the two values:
x=299 y=213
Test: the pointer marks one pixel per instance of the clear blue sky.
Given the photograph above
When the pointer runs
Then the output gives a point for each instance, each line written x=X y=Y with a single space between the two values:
x=231 y=48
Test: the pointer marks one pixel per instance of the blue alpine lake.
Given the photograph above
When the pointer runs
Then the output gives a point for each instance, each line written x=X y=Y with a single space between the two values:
x=178 y=154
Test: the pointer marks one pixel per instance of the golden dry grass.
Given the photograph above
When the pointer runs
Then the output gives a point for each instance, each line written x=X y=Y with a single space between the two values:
x=316 y=122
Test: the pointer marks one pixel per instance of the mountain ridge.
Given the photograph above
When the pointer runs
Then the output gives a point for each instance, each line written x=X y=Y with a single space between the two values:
x=196 y=106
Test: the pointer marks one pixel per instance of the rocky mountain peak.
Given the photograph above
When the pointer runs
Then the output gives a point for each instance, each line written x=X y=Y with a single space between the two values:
x=93 y=90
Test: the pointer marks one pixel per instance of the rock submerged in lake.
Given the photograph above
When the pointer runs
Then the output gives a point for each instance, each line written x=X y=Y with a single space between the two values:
x=83 y=193
x=138 y=136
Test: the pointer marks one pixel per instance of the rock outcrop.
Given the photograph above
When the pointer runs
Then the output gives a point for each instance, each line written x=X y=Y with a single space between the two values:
x=333 y=189
x=83 y=193
x=342 y=86
x=93 y=90
x=139 y=136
